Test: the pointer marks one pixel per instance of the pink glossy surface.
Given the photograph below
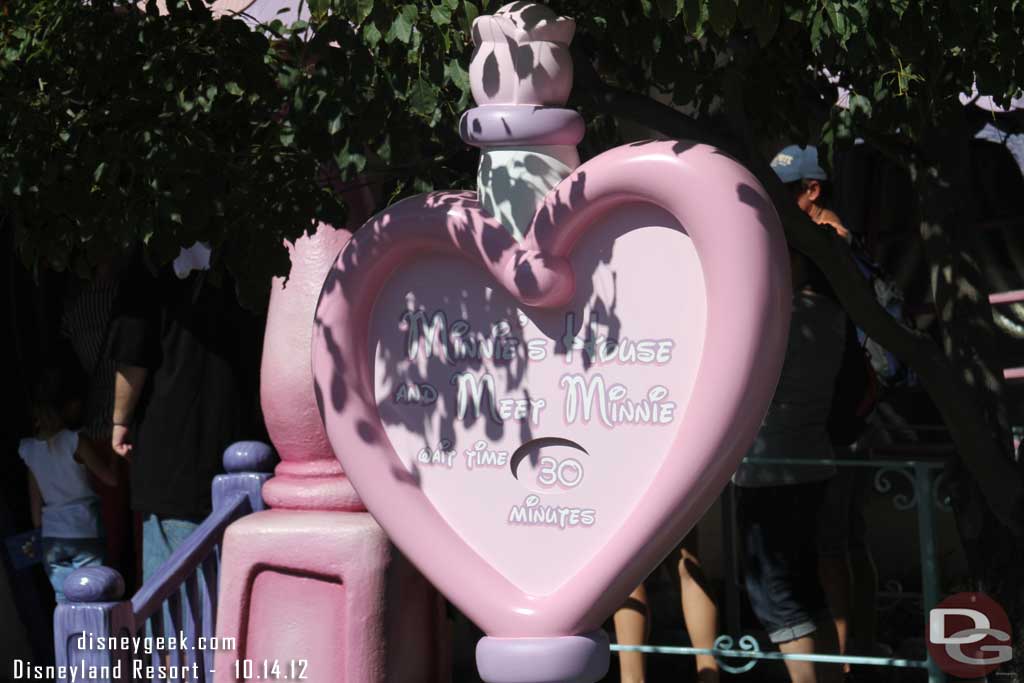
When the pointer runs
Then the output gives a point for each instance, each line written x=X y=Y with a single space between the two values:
x=309 y=476
x=279 y=631
x=671 y=240
x=327 y=588
x=625 y=256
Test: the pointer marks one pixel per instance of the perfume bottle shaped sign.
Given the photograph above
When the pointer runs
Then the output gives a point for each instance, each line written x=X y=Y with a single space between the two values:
x=538 y=388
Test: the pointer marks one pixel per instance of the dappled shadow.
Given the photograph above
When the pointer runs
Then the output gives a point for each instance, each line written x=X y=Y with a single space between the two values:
x=453 y=328
x=520 y=183
x=751 y=196
x=416 y=392
x=520 y=55
x=427 y=274
x=528 y=15
x=552 y=216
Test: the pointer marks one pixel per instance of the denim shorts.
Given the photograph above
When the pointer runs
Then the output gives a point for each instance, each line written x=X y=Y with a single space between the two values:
x=778 y=530
x=64 y=555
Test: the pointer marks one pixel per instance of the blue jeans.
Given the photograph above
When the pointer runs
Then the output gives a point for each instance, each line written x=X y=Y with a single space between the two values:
x=161 y=536
x=64 y=555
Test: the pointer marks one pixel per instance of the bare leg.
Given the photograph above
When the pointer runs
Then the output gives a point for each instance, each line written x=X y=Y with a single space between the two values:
x=822 y=641
x=836 y=580
x=631 y=629
x=800 y=672
x=827 y=643
x=699 y=610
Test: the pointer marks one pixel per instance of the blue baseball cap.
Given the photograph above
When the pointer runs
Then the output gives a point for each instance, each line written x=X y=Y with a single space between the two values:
x=795 y=163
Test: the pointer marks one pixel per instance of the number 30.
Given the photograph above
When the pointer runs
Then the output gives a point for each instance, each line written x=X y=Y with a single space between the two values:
x=567 y=473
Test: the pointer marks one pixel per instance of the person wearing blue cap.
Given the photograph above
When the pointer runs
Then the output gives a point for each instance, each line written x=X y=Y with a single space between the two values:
x=778 y=504
x=798 y=168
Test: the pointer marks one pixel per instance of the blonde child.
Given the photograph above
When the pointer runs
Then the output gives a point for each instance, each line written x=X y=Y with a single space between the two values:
x=63 y=502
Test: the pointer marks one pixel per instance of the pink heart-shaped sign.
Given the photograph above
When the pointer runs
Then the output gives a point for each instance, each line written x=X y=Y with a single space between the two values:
x=537 y=424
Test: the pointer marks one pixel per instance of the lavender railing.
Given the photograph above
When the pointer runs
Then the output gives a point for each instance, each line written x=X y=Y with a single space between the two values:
x=167 y=631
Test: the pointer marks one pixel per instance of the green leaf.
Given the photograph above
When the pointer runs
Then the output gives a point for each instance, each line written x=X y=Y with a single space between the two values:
x=401 y=27
x=441 y=15
x=233 y=89
x=838 y=20
x=422 y=97
x=797 y=12
x=695 y=15
x=454 y=72
x=472 y=12
x=861 y=8
x=722 y=16
x=335 y=125
x=363 y=10
x=349 y=161
x=860 y=105
x=371 y=34
x=819 y=30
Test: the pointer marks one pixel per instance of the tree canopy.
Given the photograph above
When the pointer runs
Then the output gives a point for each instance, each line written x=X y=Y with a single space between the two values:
x=124 y=127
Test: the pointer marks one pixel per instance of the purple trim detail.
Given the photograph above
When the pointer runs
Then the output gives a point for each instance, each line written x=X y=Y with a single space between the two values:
x=98 y=620
x=569 y=659
x=226 y=486
x=249 y=456
x=208 y=581
x=504 y=125
x=94 y=584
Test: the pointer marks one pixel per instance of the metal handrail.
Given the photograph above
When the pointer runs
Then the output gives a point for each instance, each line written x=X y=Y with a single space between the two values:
x=720 y=653
x=923 y=498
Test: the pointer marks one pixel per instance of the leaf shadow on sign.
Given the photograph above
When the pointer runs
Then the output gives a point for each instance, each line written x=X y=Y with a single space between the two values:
x=517 y=181
x=527 y=65
x=437 y=424
x=751 y=196
x=445 y=287
x=452 y=331
x=473 y=302
x=599 y=292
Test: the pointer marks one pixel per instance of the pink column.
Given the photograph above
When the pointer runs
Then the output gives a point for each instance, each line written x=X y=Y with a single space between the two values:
x=313 y=586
